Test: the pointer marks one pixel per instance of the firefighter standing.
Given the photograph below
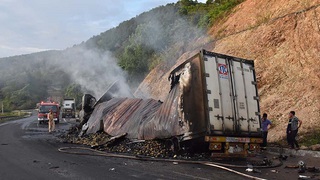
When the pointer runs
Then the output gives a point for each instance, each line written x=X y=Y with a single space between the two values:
x=51 y=121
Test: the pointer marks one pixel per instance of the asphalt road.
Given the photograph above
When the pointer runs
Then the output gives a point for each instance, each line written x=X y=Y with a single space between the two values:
x=28 y=151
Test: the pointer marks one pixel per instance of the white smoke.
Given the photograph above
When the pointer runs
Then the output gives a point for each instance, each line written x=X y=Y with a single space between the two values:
x=178 y=32
x=94 y=71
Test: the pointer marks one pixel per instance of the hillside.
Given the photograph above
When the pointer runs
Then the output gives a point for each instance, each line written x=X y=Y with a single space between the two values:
x=283 y=38
x=125 y=53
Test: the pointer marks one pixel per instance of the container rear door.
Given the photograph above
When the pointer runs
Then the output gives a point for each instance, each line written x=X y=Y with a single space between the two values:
x=246 y=98
x=219 y=93
x=232 y=96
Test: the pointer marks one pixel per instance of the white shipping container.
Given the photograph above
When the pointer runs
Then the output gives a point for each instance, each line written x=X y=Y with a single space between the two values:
x=233 y=103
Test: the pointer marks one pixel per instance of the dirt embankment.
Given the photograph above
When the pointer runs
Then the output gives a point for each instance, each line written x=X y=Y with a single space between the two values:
x=283 y=37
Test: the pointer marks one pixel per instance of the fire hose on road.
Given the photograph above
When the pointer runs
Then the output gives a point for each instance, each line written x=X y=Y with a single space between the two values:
x=226 y=167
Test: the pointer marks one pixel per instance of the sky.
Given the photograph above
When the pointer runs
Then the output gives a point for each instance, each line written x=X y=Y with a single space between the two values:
x=38 y=25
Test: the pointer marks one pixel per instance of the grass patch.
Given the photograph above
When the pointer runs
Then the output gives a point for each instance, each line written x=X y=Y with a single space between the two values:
x=263 y=19
x=306 y=139
x=310 y=138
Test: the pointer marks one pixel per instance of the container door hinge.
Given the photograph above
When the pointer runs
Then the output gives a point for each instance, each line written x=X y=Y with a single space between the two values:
x=218 y=117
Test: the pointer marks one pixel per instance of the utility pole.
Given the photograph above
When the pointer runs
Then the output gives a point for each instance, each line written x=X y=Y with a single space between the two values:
x=2 y=107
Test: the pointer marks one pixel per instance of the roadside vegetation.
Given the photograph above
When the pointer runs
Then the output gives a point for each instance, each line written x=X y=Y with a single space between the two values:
x=306 y=139
x=7 y=116
x=205 y=15
x=310 y=138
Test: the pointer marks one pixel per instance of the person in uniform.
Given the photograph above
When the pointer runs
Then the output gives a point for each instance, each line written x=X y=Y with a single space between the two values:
x=51 y=121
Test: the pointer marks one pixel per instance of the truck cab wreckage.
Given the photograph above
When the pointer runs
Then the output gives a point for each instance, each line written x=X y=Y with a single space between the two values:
x=213 y=100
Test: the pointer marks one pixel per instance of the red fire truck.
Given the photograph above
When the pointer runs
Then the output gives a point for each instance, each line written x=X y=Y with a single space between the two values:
x=44 y=110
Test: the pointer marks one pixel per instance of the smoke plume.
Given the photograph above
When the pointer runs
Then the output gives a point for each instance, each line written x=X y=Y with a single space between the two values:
x=92 y=70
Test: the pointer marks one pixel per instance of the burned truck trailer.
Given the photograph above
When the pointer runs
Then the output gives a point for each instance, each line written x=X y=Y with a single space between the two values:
x=220 y=101
x=213 y=99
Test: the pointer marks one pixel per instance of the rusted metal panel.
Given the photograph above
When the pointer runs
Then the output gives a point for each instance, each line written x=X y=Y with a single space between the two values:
x=129 y=116
x=95 y=120
x=192 y=105
x=122 y=115
x=165 y=122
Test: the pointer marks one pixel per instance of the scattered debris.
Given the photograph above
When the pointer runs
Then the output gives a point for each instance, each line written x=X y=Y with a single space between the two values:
x=105 y=142
x=302 y=167
x=274 y=171
x=160 y=148
x=309 y=169
x=313 y=169
x=256 y=170
x=84 y=129
x=267 y=162
x=253 y=170
x=304 y=177
x=291 y=166
x=283 y=157
x=109 y=141
x=54 y=167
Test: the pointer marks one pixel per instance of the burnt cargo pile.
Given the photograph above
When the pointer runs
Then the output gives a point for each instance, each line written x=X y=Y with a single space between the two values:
x=213 y=100
x=161 y=148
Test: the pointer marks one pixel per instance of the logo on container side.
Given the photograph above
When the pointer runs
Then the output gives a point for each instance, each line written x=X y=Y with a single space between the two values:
x=223 y=71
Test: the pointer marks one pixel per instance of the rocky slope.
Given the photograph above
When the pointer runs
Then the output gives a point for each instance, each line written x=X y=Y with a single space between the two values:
x=283 y=37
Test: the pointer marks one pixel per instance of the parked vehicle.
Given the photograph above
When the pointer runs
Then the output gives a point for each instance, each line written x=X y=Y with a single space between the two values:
x=44 y=108
x=69 y=108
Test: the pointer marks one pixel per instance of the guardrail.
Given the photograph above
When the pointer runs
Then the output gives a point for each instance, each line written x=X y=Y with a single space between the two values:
x=8 y=117
x=3 y=118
